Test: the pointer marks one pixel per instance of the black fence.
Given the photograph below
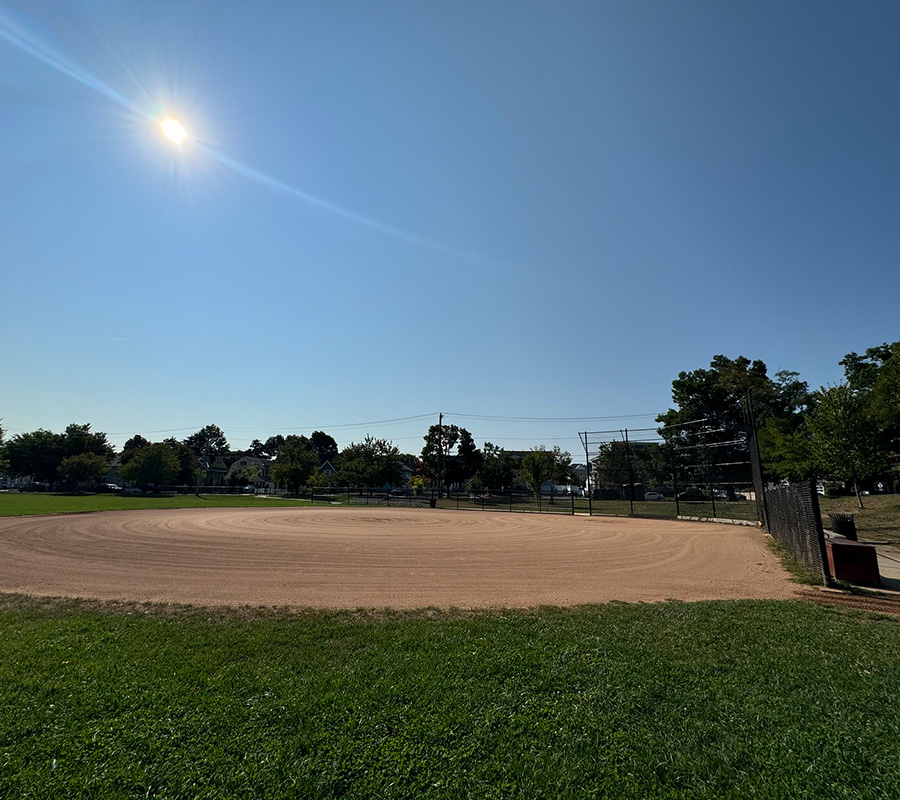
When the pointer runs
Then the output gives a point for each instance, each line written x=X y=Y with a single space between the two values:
x=696 y=470
x=794 y=520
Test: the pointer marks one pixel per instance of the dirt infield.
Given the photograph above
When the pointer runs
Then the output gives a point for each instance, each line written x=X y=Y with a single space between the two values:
x=399 y=558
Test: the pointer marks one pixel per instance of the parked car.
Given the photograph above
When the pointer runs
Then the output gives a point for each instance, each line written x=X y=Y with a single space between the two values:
x=691 y=494
x=654 y=496
x=132 y=490
x=35 y=487
x=106 y=488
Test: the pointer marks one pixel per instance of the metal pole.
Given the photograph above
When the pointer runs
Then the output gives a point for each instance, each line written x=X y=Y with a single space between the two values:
x=630 y=475
x=709 y=475
x=587 y=464
x=675 y=480
x=440 y=454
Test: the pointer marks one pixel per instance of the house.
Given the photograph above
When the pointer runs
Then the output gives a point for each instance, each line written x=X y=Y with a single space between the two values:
x=255 y=470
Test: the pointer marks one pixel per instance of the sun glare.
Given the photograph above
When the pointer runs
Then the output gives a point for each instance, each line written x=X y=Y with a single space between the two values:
x=174 y=130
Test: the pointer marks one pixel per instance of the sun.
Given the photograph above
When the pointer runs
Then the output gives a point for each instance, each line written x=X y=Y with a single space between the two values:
x=173 y=129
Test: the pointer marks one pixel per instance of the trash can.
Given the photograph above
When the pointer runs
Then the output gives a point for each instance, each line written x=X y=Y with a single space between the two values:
x=432 y=502
x=843 y=525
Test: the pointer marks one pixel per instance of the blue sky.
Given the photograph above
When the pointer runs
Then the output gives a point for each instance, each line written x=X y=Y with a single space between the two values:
x=552 y=209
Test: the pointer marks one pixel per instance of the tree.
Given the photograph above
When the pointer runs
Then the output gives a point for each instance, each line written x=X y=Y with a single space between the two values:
x=611 y=466
x=134 y=443
x=846 y=441
x=496 y=471
x=439 y=442
x=295 y=464
x=4 y=464
x=209 y=441
x=325 y=447
x=371 y=463
x=468 y=458
x=187 y=462
x=536 y=469
x=78 y=439
x=84 y=468
x=876 y=376
x=37 y=454
x=715 y=395
x=153 y=465
x=41 y=453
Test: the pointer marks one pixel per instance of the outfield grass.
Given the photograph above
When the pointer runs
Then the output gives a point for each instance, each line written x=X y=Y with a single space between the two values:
x=717 y=699
x=15 y=504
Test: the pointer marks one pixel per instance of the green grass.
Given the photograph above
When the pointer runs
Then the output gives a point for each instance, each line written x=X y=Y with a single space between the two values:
x=878 y=521
x=799 y=572
x=14 y=504
x=719 y=699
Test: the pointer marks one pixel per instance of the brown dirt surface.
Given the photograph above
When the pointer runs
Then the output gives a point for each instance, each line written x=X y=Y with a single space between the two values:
x=382 y=558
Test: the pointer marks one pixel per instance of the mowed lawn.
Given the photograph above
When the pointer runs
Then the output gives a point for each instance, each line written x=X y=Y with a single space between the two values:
x=686 y=700
x=16 y=504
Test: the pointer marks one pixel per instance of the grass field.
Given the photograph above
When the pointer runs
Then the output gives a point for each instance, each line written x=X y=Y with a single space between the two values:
x=14 y=504
x=718 y=699
x=878 y=521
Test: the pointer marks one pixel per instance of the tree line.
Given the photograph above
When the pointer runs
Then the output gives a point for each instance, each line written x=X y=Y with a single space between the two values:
x=848 y=432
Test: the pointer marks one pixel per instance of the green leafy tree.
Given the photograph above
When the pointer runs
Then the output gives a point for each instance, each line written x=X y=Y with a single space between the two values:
x=876 y=376
x=79 y=439
x=846 y=440
x=439 y=443
x=37 y=454
x=536 y=469
x=128 y=449
x=325 y=446
x=187 y=462
x=209 y=441
x=153 y=465
x=371 y=463
x=611 y=466
x=715 y=395
x=497 y=470
x=295 y=464
x=4 y=464
x=84 y=468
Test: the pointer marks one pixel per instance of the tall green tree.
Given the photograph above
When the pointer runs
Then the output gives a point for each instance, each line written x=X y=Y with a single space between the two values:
x=439 y=444
x=715 y=395
x=187 y=462
x=80 y=439
x=846 y=439
x=84 y=468
x=153 y=465
x=4 y=464
x=134 y=443
x=295 y=464
x=536 y=469
x=209 y=441
x=372 y=463
x=325 y=446
x=876 y=376
x=497 y=470
x=37 y=454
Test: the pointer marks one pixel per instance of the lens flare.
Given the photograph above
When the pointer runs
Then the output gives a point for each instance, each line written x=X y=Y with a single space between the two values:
x=173 y=129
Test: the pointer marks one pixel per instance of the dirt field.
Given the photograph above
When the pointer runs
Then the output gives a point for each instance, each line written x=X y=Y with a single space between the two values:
x=399 y=558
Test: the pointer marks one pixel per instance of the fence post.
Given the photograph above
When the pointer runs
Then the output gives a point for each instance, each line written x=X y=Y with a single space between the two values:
x=630 y=475
x=572 y=495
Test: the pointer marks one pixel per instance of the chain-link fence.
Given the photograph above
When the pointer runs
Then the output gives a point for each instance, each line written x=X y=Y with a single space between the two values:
x=696 y=470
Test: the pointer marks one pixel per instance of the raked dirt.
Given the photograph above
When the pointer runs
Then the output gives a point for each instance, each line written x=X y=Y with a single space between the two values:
x=382 y=558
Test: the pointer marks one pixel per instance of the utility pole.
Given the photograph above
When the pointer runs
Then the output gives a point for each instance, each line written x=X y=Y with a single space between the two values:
x=440 y=454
